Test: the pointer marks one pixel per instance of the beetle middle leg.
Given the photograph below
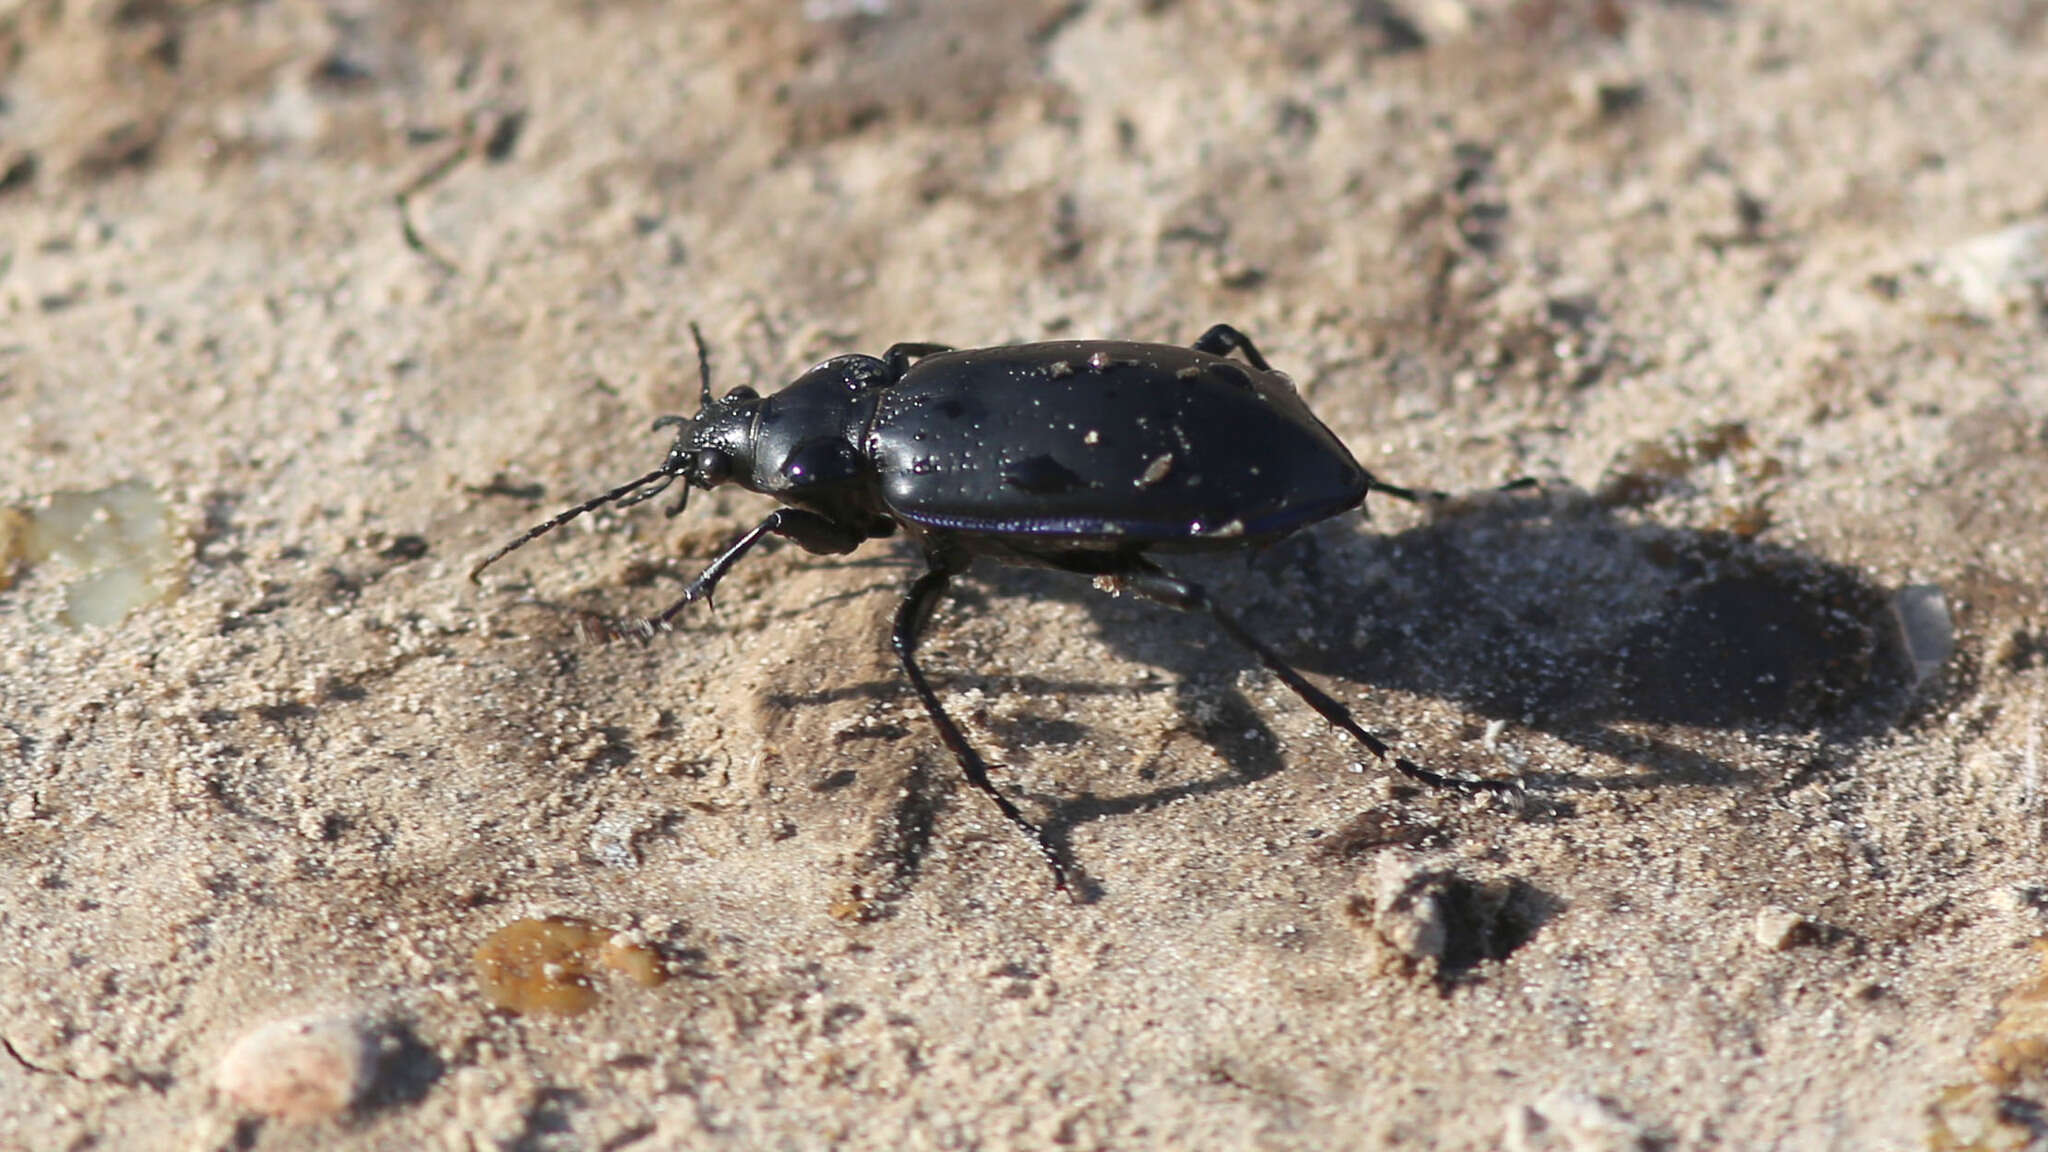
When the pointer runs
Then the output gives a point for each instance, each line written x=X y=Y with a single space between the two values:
x=811 y=531
x=911 y=617
x=1154 y=583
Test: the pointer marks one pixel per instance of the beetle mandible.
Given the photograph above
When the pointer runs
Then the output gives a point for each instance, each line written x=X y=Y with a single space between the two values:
x=1084 y=456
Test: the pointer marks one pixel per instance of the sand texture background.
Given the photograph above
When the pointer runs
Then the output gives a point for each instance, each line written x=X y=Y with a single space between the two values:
x=322 y=301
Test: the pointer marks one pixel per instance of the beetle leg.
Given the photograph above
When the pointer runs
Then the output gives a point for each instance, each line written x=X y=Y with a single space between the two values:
x=1154 y=583
x=1222 y=340
x=911 y=618
x=899 y=356
x=812 y=532
x=1426 y=495
x=1411 y=495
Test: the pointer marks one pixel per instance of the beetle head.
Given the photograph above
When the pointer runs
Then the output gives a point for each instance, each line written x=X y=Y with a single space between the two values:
x=709 y=449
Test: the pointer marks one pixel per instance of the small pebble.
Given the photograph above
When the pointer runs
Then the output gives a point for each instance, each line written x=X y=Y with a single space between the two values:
x=1407 y=911
x=1565 y=1121
x=1494 y=730
x=2000 y=271
x=301 y=1069
x=2019 y=900
x=1605 y=96
x=1926 y=627
x=15 y=528
x=1781 y=929
x=629 y=955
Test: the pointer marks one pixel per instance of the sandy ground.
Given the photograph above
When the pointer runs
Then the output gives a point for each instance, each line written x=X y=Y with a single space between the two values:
x=349 y=293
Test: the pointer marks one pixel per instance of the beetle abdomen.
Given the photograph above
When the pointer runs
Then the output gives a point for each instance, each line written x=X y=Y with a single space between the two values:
x=1109 y=441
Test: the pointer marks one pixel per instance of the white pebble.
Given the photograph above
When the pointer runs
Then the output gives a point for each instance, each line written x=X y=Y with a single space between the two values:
x=1926 y=627
x=299 y=1069
x=1408 y=909
x=1780 y=929
x=1998 y=271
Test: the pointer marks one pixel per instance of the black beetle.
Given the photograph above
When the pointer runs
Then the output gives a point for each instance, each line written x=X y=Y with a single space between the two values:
x=1079 y=455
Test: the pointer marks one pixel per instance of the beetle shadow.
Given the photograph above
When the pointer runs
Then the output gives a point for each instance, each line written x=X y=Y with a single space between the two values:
x=1549 y=610
x=1556 y=613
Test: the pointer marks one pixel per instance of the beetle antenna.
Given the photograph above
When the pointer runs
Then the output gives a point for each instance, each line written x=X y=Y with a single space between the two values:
x=661 y=476
x=703 y=367
x=670 y=469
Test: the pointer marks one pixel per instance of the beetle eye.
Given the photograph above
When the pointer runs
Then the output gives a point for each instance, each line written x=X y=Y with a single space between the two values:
x=742 y=392
x=713 y=468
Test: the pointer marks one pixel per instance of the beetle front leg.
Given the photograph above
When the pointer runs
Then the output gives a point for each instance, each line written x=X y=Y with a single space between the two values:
x=911 y=618
x=812 y=533
x=1158 y=585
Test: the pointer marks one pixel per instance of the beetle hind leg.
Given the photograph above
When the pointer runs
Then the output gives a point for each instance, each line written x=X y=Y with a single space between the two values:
x=1154 y=583
x=1429 y=495
x=1410 y=495
x=899 y=356
x=1222 y=340
x=911 y=618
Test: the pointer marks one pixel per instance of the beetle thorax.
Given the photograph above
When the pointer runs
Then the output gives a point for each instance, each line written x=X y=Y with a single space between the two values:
x=807 y=435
